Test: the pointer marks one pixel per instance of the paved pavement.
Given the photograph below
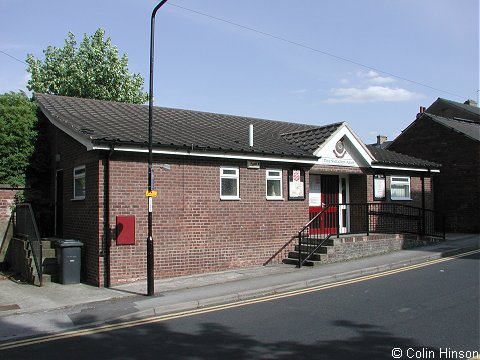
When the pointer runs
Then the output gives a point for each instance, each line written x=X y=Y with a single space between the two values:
x=27 y=310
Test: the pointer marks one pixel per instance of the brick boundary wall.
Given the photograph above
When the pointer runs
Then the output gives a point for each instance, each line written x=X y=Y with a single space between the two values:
x=7 y=200
x=355 y=247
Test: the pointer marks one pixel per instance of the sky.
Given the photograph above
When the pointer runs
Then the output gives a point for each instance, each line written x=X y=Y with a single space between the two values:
x=371 y=63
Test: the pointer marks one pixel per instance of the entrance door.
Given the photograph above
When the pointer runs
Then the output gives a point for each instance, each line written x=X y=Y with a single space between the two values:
x=59 y=204
x=324 y=191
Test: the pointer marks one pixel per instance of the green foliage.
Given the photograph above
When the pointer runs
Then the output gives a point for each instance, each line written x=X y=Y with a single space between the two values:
x=92 y=70
x=17 y=137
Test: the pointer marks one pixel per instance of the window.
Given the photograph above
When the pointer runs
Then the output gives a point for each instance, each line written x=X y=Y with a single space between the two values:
x=400 y=188
x=274 y=184
x=79 y=183
x=229 y=189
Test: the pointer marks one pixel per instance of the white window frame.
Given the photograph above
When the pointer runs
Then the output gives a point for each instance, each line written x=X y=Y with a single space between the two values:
x=271 y=177
x=235 y=176
x=79 y=174
x=400 y=180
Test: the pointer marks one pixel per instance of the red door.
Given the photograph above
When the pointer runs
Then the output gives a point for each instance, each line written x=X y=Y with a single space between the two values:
x=327 y=223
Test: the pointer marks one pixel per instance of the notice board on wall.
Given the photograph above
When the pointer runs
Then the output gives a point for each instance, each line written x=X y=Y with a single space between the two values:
x=296 y=184
x=379 y=188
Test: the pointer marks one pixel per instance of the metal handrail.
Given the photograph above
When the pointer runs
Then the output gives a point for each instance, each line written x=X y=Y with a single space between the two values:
x=306 y=232
x=315 y=218
x=279 y=251
x=366 y=218
x=26 y=225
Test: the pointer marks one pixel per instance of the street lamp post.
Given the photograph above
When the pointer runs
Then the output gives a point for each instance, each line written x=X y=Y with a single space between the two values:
x=150 y=250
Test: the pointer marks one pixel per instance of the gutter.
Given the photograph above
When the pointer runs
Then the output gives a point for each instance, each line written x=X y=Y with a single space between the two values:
x=388 y=167
x=209 y=154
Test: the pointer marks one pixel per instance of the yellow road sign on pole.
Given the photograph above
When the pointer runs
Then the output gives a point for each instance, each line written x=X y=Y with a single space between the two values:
x=152 y=193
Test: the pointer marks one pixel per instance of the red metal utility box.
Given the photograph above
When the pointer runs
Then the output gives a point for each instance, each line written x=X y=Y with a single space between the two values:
x=125 y=230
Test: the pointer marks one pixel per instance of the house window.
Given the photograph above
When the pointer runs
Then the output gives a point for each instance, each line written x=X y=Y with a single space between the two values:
x=79 y=183
x=400 y=188
x=229 y=189
x=274 y=185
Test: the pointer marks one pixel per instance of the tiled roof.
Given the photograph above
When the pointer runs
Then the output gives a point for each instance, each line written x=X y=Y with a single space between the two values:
x=106 y=121
x=383 y=145
x=468 y=128
x=310 y=140
x=388 y=157
x=474 y=110
x=102 y=122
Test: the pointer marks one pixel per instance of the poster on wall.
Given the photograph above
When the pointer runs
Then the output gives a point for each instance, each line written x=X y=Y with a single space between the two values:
x=296 y=184
x=379 y=187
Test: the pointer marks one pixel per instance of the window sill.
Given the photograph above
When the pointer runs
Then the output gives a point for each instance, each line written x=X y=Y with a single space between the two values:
x=223 y=198
x=275 y=198
x=78 y=199
x=401 y=199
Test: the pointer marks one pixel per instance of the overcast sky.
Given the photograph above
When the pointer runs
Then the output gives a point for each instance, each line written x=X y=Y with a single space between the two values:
x=371 y=63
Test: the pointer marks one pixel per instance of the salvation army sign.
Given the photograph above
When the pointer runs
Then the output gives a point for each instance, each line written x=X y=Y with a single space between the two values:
x=296 y=184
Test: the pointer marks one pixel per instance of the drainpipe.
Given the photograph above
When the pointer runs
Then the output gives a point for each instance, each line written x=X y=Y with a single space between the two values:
x=422 y=227
x=106 y=216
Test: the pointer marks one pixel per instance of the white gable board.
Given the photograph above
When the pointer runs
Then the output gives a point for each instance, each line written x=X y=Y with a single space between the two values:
x=344 y=148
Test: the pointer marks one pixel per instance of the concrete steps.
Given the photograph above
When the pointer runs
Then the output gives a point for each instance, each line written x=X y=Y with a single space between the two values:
x=49 y=261
x=24 y=263
x=320 y=256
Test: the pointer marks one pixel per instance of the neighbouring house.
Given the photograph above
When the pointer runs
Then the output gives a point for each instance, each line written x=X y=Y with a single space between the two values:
x=449 y=133
x=231 y=189
x=454 y=110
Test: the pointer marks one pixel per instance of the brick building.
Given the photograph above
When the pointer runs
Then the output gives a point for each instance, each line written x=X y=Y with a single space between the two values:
x=231 y=189
x=448 y=133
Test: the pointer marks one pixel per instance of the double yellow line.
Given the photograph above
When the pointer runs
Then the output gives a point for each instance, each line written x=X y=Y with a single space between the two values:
x=161 y=318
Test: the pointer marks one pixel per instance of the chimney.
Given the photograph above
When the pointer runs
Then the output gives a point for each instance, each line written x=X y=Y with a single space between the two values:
x=421 y=111
x=471 y=102
x=250 y=135
x=381 y=139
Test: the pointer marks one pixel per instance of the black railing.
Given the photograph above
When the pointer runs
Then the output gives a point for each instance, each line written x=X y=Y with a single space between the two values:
x=366 y=218
x=26 y=226
x=316 y=233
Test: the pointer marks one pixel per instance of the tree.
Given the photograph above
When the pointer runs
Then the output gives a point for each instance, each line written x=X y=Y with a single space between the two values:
x=17 y=137
x=92 y=70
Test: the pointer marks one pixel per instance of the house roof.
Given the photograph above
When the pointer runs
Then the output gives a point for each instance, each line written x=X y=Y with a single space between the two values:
x=465 y=127
x=388 y=157
x=106 y=122
x=449 y=108
x=101 y=122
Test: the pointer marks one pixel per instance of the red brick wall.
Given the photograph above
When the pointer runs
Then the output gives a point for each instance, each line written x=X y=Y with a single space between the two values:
x=415 y=190
x=194 y=231
x=81 y=217
x=7 y=199
x=457 y=187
